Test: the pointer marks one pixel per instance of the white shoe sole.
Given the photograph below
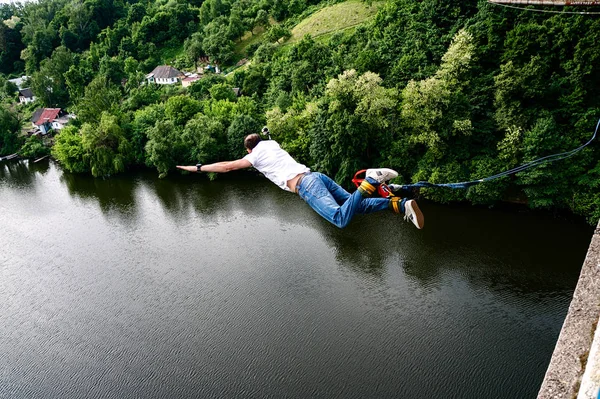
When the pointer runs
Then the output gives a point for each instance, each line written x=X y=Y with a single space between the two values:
x=381 y=174
x=414 y=214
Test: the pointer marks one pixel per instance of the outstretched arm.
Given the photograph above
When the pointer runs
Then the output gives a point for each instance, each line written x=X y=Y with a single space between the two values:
x=219 y=167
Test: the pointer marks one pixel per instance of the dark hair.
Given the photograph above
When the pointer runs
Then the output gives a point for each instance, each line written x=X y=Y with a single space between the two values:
x=251 y=141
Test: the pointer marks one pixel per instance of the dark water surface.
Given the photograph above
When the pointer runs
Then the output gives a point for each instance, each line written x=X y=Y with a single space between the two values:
x=136 y=287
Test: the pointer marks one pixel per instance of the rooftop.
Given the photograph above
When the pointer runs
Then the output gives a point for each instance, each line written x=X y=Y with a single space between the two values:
x=41 y=116
x=164 y=72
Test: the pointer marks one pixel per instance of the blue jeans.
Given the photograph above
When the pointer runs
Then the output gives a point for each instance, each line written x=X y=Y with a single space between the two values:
x=334 y=203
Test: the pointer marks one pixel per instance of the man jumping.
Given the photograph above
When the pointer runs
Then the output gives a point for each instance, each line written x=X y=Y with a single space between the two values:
x=324 y=195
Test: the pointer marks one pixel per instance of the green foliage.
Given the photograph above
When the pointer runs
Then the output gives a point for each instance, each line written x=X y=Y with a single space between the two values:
x=34 y=147
x=222 y=91
x=435 y=109
x=11 y=46
x=255 y=79
x=49 y=83
x=302 y=69
x=180 y=109
x=143 y=120
x=352 y=124
x=217 y=44
x=171 y=23
x=276 y=33
x=193 y=48
x=100 y=96
x=165 y=147
x=292 y=130
x=204 y=140
x=105 y=146
x=241 y=126
x=436 y=113
x=10 y=126
x=141 y=96
x=221 y=110
x=586 y=200
x=68 y=150
x=200 y=89
x=10 y=89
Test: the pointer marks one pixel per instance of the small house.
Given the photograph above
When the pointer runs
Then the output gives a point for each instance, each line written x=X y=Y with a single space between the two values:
x=26 y=96
x=19 y=82
x=189 y=79
x=164 y=75
x=46 y=119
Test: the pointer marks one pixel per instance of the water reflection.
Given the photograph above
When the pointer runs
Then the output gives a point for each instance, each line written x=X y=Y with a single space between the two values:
x=41 y=167
x=495 y=251
x=116 y=194
x=16 y=173
x=469 y=241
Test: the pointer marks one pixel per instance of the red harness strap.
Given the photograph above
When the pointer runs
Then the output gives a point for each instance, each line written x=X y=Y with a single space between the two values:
x=383 y=190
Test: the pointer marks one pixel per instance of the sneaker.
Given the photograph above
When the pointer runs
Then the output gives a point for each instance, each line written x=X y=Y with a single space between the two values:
x=413 y=213
x=381 y=175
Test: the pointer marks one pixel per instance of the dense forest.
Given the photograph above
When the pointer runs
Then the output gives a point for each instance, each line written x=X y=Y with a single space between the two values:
x=442 y=91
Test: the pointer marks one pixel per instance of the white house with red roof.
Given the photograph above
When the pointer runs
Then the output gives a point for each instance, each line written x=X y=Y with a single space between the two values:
x=47 y=119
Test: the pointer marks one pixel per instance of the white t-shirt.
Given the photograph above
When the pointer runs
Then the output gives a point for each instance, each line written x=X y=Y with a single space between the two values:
x=276 y=164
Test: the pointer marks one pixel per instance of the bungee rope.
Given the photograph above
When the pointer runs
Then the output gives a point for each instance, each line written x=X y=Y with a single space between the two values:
x=467 y=184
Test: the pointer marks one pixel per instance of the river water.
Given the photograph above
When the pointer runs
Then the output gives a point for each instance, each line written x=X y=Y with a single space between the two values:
x=135 y=287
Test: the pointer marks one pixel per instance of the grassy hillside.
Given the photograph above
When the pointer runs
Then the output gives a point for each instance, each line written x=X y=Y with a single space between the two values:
x=321 y=24
x=335 y=18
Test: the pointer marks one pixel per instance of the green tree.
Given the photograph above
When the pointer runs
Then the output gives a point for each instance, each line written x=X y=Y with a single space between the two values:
x=165 y=147
x=236 y=27
x=34 y=147
x=262 y=19
x=277 y=32
x=68 y=150
x=49 y=83
x=180 y=109
x=11 y=45
x=222 y=91
x=106 y=146
x=143 y=120
x=10 y=127
x=437 y=115
x=193 y=48
x=10 y=89
x=292 y=130
x=100 y=96
x=218 y=45
x=200 y=89
x=205 y=140
x=352 y=124
x=431 y=109
x=241 y=126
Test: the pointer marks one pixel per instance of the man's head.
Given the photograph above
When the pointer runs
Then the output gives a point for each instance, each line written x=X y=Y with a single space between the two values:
x=251 y=141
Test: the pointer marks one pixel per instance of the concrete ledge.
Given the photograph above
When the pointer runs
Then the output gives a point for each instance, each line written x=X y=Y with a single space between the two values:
x=565 y=374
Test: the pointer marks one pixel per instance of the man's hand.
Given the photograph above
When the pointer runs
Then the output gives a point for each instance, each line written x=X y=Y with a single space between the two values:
x=192 y=169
